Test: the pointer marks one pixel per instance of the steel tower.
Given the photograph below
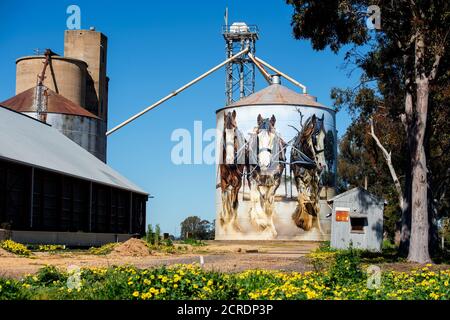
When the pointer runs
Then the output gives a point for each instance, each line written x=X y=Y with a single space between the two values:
x=240 y=72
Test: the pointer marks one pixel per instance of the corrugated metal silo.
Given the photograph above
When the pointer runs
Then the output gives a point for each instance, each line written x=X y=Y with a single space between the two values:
x=254 y=215
x=75 y=122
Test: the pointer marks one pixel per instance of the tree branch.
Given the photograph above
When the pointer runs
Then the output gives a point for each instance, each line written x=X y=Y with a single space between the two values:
x=388 y=158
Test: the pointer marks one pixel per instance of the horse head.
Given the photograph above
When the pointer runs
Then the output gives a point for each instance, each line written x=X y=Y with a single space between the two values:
x=266 y=134
x=229 y=133
x=309 y=128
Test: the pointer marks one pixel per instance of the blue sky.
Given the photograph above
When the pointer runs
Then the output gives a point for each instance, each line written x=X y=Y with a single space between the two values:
x=154 y=47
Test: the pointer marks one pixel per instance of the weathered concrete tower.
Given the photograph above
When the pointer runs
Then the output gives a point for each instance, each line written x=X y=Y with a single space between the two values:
x=90 y=46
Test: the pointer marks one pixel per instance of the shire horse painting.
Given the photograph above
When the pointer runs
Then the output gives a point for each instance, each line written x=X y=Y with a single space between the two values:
x=232 y=164
x=306 y=167
x=266 y=161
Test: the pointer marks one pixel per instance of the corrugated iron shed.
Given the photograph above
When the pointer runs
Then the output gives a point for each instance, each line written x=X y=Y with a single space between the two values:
x=28 y=141
x=56 y=103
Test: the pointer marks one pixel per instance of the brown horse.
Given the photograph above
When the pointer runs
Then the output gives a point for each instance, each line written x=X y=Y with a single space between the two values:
x=266 y=155
x=306 y=170
x=231 y=170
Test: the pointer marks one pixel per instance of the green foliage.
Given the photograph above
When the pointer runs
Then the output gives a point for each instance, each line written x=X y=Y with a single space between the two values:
x=103 y=250
x=168 y=242
x=196 y=228
x=388 y=65
x=346 y=267
x=157 y=234
x=388 y=245
x=193 y=242
x=341 y=266
x=190 y=282
x=150 y=235
x=49 y=275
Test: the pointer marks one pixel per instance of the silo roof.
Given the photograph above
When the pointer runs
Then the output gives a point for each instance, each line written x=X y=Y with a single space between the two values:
x=278 y=94
x=56 y=103
x=27 y=141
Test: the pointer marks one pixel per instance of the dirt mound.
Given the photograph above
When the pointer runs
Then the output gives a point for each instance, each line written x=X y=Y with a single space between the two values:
x=132 y=247
x=4 y=253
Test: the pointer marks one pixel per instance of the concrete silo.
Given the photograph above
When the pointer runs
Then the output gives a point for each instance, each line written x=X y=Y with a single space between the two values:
x=66 y=76
x=290 y=113
x=70 y=93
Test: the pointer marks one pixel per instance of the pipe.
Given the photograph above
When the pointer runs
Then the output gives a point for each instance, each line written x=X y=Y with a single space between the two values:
x=282 y=74
x=261 y=69
x=174 y=93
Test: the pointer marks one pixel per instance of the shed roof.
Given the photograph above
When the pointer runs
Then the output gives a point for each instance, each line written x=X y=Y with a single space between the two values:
x=28 y=141
x=278 y=94
x=56 y=103
x=357 y=190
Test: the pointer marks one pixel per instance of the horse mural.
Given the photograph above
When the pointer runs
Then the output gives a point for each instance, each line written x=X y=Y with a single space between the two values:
x=307 y=163
x=266 y=161
x=232 y=164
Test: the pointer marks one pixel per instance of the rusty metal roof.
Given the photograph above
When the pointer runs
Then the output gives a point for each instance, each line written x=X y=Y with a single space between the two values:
x=278 y=94
x=23 y=102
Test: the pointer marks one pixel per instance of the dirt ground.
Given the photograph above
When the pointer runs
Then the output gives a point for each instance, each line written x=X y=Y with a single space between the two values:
x=229 y=256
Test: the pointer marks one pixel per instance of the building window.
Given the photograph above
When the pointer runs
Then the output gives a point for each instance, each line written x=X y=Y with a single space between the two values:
x=358 y=224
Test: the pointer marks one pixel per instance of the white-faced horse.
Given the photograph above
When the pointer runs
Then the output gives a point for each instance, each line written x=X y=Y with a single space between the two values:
x=266 y=162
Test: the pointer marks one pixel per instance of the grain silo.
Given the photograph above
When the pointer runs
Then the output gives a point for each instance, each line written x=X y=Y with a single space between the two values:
x=284 y=198
x=70 y=93
x=66 y=76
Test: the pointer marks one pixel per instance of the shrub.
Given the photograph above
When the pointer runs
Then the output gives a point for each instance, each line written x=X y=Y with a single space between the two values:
x=150 y=235
x=157 y=235
x=346 y=267
x=14 y=247
x=168 y=242
x=321 y=261
x=194 y=242
x=50 y=275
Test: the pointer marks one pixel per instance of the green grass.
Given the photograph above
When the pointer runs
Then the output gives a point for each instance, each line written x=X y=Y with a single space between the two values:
x=194 y=242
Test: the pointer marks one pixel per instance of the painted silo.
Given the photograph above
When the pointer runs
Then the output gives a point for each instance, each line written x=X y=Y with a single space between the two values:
x=276 y=167
x=75 y=122
x=66 y=76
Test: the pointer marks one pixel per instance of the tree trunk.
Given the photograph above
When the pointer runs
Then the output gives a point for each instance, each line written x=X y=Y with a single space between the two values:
x=418 y=248
x=405 y=232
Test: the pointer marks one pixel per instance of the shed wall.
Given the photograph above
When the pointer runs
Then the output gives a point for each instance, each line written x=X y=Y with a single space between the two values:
x=40 y=200
x=360 y=205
